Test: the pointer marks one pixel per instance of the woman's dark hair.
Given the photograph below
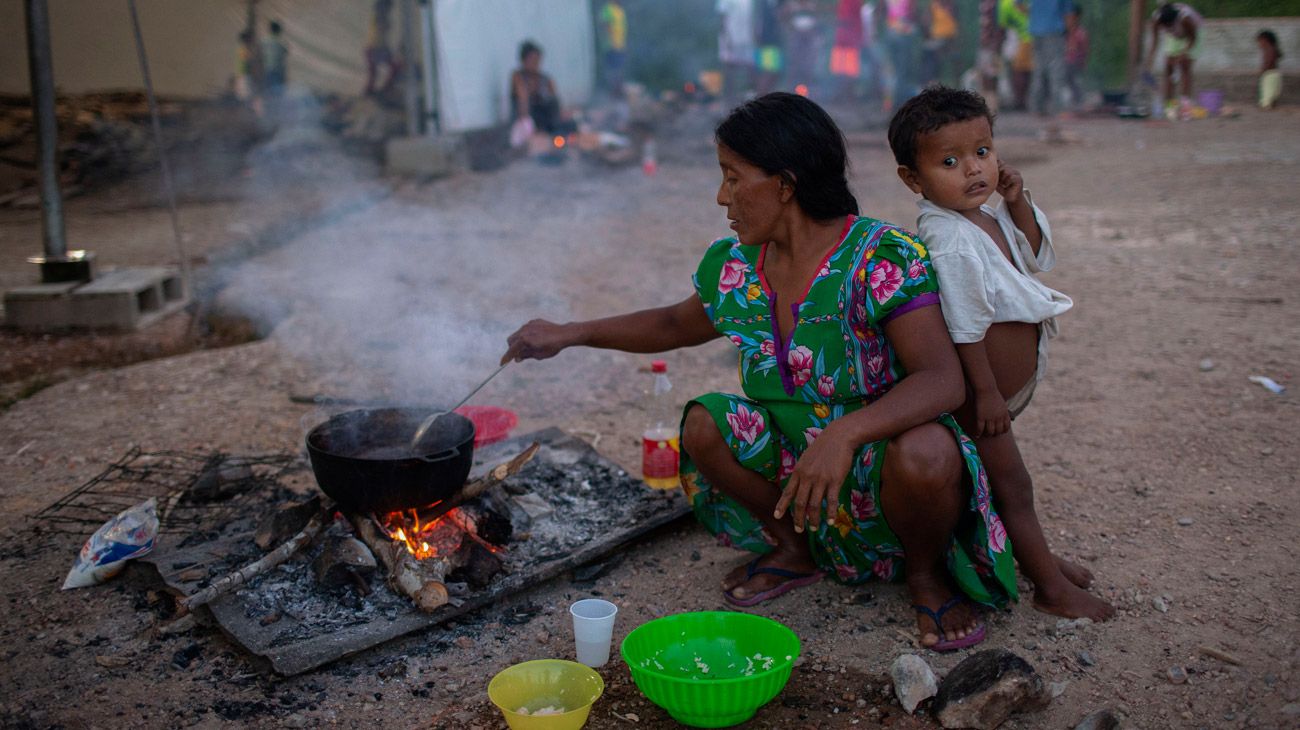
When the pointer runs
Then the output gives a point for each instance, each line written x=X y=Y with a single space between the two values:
x=1167 y=14
x=527 y=48
x=1271 y=37
x=788 y=135
x=932 y=109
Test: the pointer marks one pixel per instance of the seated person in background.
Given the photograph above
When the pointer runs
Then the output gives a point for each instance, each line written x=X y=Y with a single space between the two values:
x=532 y=94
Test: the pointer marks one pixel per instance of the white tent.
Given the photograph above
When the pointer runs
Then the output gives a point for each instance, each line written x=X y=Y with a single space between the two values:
x=192 y=47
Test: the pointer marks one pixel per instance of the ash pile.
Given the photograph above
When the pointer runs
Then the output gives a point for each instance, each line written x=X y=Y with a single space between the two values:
x=301 y=585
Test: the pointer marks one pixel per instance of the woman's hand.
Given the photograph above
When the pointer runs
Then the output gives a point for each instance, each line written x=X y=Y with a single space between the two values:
x=991 y=415
x=1011 y=186
x=818 y=476
x=539 y=339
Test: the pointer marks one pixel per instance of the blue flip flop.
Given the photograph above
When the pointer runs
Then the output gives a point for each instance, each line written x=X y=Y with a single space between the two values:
x=793 y=580
x=945 y=645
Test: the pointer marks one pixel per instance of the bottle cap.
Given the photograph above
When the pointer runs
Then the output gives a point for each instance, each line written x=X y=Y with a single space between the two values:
x=659 y=366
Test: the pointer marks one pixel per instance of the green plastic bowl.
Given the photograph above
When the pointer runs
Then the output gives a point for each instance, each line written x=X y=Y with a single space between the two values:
x=711 y=668
x=546 y=683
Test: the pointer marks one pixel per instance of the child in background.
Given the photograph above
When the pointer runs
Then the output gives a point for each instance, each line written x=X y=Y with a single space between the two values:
x=997 y=311
x=1076 y=53
x=1270 y=78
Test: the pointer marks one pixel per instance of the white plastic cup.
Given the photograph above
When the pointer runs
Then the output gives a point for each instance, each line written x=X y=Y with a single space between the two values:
x=593 y=630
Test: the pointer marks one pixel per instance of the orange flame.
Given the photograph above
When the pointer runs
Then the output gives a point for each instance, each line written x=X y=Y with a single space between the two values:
x=406 y=528
x=559 y=142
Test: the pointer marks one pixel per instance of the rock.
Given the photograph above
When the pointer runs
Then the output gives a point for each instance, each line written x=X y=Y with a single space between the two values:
x=1161 y=603
x=394 y=669
x=1177 y=675
x=986 y=688
x=1056 y=689
x=295 y=720
x=1069 y=626
x=1085 y=659
x=464 y=642
x=914 y=681
x=1207 y=365
x=1291 y=709
x=1186 y=521
x=1099 y=720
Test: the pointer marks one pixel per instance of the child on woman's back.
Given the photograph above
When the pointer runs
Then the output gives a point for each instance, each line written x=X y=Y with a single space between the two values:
x=999 y=315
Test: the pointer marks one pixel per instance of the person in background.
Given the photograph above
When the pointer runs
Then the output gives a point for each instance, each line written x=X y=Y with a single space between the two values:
x=1181 y=26
x=1076 y=53
x=1270 y=77
x=246 y=62
x=1013 y=17
x=533 y=95
x=901 y=35
x=737 y=47
x=941 y=36
x=770 y=57
x=876 y=69
x=381 y=67
x=802 y=37
x=1047 y=29
x=846 y=53
x=988 y=59
x=275 y=57
x=613 y=45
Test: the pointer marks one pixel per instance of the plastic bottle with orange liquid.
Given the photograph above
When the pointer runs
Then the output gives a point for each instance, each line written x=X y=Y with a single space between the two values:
x=660 y=451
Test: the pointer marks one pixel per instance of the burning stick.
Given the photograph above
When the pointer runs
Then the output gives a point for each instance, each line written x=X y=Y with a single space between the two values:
x=495 y=476
x=423 y=581
x=268 y=561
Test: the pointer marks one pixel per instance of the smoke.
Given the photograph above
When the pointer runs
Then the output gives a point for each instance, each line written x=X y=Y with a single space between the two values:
x=410 y=296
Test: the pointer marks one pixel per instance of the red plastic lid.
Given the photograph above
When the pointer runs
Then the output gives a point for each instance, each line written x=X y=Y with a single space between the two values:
x=658 y=366
x=491 y=424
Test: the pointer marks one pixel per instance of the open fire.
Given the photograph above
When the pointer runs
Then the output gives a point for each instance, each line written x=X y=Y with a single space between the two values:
x=441 y=536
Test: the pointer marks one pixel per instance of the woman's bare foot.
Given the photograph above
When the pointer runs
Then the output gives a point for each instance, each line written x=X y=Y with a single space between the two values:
x=1070 y=601
x=1073 y=572
x=738 y=583
x=959 y=621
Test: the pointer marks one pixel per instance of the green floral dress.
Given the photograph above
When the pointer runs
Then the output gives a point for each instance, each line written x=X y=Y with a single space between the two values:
x=835 y=361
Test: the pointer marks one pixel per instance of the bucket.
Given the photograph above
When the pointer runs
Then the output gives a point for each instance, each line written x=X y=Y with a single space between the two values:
x=1211 y=100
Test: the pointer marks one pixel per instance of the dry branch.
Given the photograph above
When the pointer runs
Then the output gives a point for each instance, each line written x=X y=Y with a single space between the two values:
x=246 y=573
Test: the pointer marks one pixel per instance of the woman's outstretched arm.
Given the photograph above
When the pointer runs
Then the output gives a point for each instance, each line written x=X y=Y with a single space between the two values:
x=650 y=330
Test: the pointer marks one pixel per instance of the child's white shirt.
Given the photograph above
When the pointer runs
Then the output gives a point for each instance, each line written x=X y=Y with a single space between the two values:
x=979 y=287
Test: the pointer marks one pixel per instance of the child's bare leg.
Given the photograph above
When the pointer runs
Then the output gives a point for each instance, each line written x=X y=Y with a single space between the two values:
x=1013 y=494
x=702 y=440
x=1012 y=349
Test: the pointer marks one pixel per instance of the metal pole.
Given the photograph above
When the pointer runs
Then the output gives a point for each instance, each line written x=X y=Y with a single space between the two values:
x=47 y=129
x=430 y=68
x=168 y=185
x=410 y=91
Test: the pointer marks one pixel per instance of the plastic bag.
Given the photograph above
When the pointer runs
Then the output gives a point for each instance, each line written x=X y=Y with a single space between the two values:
x=521 y=131
x=126 y=536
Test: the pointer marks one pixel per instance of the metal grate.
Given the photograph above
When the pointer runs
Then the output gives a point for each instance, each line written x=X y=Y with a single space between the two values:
x=195 y=490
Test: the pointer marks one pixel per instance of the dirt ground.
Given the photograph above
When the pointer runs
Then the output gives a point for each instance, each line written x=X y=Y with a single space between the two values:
x=1157 y=463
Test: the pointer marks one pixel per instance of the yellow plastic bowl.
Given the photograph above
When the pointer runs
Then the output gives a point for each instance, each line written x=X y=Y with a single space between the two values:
x=535 y=685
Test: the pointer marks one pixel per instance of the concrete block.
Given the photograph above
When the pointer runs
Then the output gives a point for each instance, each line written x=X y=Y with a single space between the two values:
x=423 y=156
x=128 y=299
x=41 y=307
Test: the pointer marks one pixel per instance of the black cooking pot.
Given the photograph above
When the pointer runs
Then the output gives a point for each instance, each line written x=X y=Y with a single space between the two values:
x=363 y=459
